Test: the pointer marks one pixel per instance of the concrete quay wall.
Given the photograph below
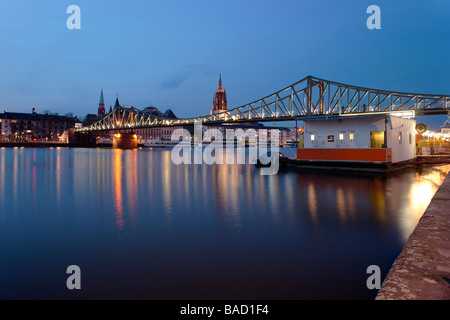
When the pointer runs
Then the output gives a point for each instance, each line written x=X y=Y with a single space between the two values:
x=422 y=270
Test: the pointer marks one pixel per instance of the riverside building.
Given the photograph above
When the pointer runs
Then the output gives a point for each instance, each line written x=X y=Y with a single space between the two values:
x=387 y=138
x=27 y=127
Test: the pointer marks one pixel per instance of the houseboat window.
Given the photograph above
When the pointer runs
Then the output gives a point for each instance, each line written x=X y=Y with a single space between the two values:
x=400 y=137
x=341 y=136
x=313 y=137
x=330 y=138
x=351 y=136
x=376 y=139
x=410 y=138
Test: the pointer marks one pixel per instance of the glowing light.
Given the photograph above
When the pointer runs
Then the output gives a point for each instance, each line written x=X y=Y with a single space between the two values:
x=421 y=195
x=118 y=196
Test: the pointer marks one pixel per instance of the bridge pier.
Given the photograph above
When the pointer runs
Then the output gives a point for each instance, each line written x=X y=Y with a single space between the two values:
x=125 y=141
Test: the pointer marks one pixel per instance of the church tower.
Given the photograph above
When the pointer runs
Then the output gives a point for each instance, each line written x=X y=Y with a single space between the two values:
x=220 y=99
x=101 y=106
x=117 y=104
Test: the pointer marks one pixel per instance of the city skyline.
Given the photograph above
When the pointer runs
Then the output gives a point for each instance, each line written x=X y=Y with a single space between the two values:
x=170 y=54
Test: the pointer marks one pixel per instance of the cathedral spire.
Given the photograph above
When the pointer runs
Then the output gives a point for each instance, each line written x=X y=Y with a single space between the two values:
x=220 y=99
x=102 y=102
x=101 y=105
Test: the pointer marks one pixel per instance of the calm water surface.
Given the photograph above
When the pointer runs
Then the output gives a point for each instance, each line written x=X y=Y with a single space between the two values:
x=140 y=227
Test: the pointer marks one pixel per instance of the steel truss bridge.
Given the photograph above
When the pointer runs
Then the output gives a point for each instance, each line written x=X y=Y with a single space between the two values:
x=308 y=98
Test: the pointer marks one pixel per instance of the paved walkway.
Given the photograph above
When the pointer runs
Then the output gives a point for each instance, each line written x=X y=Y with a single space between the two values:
x=422 y=271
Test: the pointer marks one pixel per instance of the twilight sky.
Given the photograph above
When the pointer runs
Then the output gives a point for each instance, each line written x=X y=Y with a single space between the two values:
x=169 y=53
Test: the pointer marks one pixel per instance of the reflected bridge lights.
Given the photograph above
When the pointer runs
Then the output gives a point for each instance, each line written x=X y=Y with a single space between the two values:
x=209 y=147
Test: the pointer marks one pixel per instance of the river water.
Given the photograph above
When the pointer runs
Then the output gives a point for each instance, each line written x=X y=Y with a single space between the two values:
x=140 y=227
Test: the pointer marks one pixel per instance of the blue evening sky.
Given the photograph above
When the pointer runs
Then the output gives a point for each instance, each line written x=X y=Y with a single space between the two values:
x=169 y=53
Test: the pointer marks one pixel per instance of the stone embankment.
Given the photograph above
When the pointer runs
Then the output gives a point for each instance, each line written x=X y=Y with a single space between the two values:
x=422 y=270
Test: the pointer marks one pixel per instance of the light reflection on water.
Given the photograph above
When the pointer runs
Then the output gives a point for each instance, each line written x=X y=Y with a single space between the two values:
x=163 y=231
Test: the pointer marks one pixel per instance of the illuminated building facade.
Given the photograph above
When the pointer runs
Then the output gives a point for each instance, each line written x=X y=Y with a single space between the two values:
x=33 y=126
x=220 y=100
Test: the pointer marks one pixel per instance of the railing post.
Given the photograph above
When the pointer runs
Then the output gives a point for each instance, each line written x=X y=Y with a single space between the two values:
x=309 y=93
